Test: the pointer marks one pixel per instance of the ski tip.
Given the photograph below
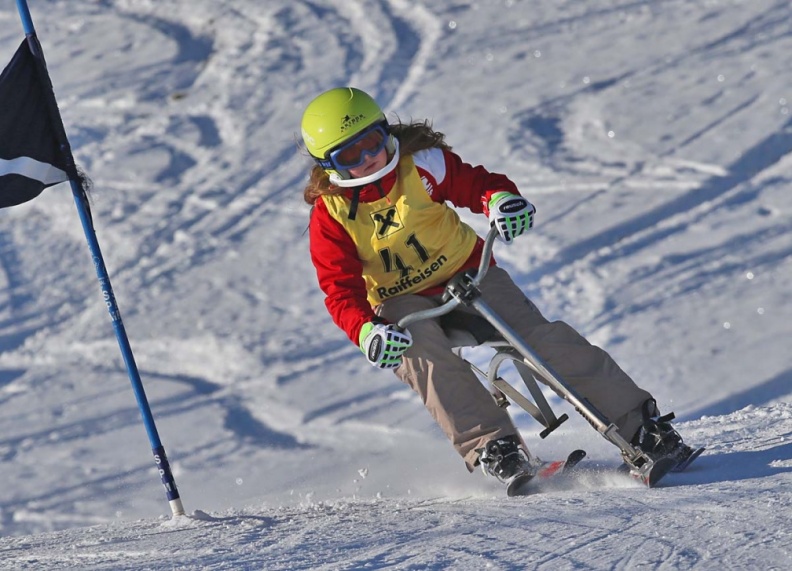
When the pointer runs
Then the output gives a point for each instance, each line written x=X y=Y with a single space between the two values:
x=574 y=458
x=687 y=461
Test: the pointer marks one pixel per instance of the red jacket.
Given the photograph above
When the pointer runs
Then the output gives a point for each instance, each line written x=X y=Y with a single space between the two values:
x=334 y=255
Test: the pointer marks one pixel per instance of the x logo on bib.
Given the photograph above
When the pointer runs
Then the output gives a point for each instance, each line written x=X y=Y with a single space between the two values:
x=387 y=221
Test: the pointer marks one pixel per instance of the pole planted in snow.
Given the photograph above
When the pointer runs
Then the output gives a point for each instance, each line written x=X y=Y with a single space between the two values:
x=83 y=208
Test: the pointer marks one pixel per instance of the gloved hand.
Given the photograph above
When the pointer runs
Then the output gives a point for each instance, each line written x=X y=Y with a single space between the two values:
x=384 y=345
x=511 y=214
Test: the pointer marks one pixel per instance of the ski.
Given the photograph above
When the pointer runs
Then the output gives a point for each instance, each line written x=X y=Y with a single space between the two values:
x=527 y=484
x=687 y=459
x=649 y=474
x=652 y=472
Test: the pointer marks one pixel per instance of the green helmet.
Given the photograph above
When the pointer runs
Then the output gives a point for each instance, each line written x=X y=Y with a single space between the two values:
x=334 y=117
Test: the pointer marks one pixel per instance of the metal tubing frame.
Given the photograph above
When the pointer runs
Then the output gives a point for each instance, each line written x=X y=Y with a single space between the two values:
x=599 y=421
x=472 y=297
x=539 y=409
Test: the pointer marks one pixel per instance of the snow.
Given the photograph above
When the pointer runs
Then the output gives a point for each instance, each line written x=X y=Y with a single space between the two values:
x=654 y=138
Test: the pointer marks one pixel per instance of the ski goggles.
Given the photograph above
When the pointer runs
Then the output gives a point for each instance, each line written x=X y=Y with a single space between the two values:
x=354 y=152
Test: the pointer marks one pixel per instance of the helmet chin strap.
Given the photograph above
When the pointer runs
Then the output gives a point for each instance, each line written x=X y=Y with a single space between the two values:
x=350 y=182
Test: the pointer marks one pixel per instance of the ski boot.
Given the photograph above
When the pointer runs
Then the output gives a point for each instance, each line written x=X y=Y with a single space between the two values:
x=505 y=459
x=659 y=440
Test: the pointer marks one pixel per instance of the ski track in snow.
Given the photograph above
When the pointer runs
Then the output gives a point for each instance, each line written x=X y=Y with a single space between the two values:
x=654 y=139
x=566 y=529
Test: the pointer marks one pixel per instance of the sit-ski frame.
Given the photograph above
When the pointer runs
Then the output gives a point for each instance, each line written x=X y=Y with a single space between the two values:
x=502 y=391
x=463 y=290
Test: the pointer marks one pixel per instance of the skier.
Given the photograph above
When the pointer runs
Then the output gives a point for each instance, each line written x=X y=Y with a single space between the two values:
x=384 y=241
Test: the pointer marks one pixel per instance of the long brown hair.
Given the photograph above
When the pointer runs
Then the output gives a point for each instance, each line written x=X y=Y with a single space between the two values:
x=413 y=137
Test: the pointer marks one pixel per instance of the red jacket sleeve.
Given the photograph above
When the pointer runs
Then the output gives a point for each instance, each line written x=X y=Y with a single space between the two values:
x=471 y=187
x=339 y=272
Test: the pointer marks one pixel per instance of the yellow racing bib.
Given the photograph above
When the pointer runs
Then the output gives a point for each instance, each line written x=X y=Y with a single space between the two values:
x=406 y=241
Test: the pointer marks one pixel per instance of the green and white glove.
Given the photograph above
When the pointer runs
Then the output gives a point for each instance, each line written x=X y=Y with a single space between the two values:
x=511 y=214
x=384 y=345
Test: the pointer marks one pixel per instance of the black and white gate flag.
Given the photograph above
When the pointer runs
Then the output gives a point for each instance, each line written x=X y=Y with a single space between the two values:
x=34 y=152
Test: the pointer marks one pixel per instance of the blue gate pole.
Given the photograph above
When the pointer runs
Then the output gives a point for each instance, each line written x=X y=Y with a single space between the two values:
x=83 y=208
x=160 y=459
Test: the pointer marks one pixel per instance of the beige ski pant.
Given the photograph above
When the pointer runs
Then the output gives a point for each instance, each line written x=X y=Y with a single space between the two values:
x=464 y=408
